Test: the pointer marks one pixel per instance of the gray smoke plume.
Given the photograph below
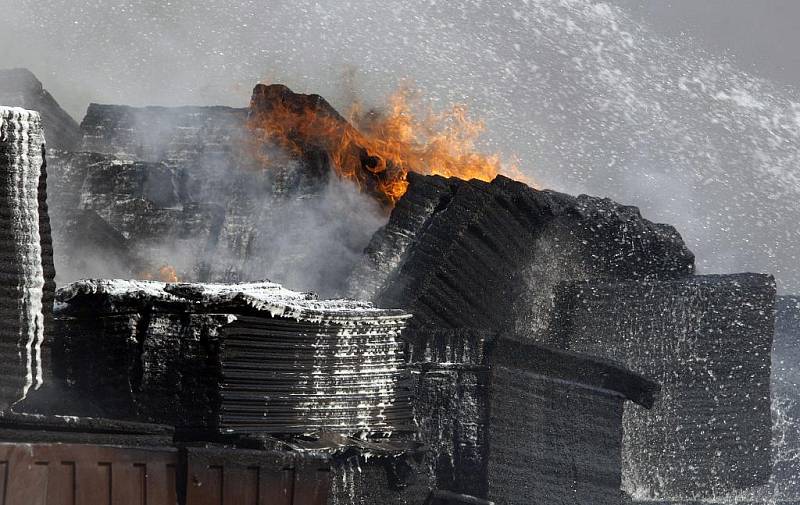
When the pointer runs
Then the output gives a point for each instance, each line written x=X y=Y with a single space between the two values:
x=313 y=243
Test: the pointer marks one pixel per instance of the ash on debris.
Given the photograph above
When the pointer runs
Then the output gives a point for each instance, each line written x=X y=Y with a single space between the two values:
x=240 y=358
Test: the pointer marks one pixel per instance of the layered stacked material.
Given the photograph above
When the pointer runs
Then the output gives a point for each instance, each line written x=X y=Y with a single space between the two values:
x=242 y=358
x=26 y=271
x=121 y=217
x=162 y=180
x=521 y=423
x=707 y=341
x=472 y=254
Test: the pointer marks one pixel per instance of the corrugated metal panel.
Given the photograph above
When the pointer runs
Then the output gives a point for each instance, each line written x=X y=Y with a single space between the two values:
x=243 y=477
x=76 y=474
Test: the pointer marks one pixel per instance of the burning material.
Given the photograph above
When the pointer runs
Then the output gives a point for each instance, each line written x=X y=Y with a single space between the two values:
x=209 y=189
x=27 y=267
x=242 y=358
x=375 y=150
x=165 y=273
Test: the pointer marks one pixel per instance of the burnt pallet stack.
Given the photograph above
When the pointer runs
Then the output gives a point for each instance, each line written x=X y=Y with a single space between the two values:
x=588 y=275
x=521 y=423
x=282 y=376
x=487 y=255
x=706 y=340
x=26 y=272
x=243 y=358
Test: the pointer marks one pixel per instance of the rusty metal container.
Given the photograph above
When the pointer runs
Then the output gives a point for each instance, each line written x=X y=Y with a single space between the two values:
x=84 y=474
x=220 y=476
x=60 y=460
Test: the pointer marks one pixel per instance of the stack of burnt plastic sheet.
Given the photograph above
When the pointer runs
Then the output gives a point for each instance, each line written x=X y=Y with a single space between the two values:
x=26 y=254
x=241 y=358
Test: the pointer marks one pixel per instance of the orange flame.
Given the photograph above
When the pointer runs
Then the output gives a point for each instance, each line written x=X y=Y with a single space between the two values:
x=166 y=273
x=379 y=151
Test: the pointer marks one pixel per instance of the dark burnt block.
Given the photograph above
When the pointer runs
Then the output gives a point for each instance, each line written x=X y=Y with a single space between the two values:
x=707 y=341
x=515 y=422
x=232 y=359
x=158 y=133
x=122 y=218
x=488 y=255
x=20 y=88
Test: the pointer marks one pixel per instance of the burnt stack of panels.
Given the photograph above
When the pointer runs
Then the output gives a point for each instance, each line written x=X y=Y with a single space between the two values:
x=521 y=423
x=244 y=358
x=784 y=482
x=707 y=341
x=474 y=254
x=170 y=179
x=26 y=259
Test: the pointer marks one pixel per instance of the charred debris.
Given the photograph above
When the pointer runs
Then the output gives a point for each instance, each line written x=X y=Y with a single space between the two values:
x=508 y=345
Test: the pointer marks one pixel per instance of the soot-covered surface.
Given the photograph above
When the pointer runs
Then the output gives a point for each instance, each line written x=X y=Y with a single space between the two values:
x=116 y=216
x=488 y=255
x=242 y=358
x=785 y=479
x=26 y=268
x=707 y=341
x=20 y=88
x=198 y=189
x=22 y=428
x=520 y=423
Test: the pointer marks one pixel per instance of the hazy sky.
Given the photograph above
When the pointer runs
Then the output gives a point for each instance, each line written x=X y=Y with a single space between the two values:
x=136 y=51
x=762 y=36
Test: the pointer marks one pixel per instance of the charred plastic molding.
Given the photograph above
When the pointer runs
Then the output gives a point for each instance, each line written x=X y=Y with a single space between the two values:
x=473 y=254
x=26 y=265
x=519 y=423
x=33 y=428
x=158 y=133
x=20 y=88
x=241 y=358
x=707 y=340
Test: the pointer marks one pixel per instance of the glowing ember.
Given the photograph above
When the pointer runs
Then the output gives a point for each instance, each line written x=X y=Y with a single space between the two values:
x=382 y=147
x=166 y=273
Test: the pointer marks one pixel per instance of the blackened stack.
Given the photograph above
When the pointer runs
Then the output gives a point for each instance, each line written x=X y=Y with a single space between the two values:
x=20 y=88
x=706 y=340
x=241 y=358
x=473 y=254
x=521 y=423
x=26 y=255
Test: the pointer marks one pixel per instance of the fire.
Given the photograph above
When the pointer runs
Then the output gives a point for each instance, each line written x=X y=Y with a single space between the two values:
x=376 y=150
x=166 y=273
